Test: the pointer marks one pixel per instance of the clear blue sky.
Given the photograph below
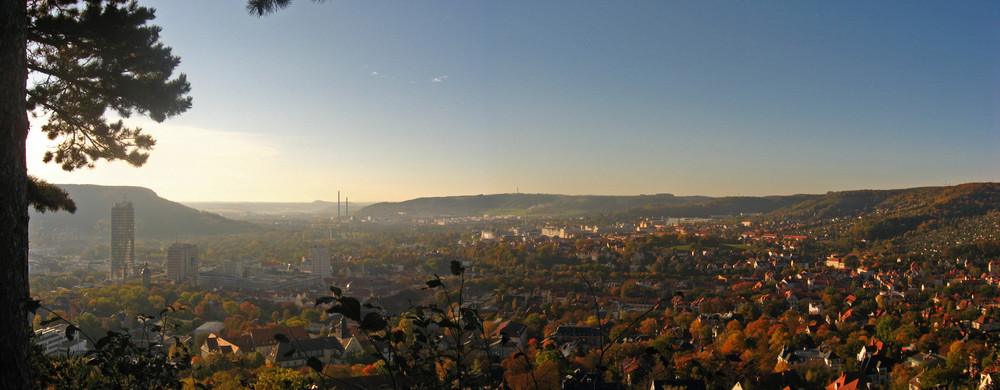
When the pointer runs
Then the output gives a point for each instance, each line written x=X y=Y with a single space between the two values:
x=396 y=100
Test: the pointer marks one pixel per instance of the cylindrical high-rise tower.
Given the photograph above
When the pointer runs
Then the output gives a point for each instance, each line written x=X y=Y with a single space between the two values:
x=122 y=240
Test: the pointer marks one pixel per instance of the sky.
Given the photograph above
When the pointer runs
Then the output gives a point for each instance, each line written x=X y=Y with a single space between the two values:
x=388 y=101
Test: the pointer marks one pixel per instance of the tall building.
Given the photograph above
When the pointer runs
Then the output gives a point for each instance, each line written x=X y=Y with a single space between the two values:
x=147 y=276
x=122 y=240
x=320 y=261
x=182 y=263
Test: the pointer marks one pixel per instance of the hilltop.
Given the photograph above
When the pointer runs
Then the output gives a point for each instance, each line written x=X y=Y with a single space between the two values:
x=923 y=218
x=920 y=220
x=518 y=204
x=952 y=201
x=614 y=207
x=155 y=217
x=730 y=205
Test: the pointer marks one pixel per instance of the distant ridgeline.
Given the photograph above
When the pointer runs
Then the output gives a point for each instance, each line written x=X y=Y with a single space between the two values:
x=963 y=200
x=932 y=202
x=543 y=205
x=519 y=204
x=155 y=217
x=886 y=213
x=730 y=205
x=942 y=216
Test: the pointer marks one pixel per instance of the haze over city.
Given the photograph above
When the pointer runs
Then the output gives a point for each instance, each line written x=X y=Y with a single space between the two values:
x=392 y=101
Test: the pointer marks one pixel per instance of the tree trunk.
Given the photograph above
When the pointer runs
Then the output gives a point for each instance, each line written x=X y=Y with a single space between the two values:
x=14 y=293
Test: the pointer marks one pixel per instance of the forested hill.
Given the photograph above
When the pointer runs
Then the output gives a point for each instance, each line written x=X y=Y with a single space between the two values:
x=519 y=204
x=929 y=202
x=920 y=220
x=155 y=217
x=939 y=202
x=730 y=205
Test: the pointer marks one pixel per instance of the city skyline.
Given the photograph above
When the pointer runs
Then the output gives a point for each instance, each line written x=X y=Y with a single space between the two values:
x=388 y=102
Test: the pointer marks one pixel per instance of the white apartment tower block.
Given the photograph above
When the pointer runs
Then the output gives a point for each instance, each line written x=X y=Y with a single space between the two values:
x=320 y=260
x=182 y=263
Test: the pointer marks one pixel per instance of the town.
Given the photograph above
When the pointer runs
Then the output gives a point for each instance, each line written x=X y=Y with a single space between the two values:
x=543 y=195
x=723 y=302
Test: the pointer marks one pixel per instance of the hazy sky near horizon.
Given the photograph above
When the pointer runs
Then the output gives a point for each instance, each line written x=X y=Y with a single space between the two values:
x=397 y=100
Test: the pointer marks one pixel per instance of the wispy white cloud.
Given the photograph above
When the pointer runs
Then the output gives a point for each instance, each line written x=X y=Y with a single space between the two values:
x=380 y=75
x=439 y=79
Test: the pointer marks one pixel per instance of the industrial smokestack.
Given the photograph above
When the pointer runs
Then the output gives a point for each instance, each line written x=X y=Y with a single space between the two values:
x=338 y=204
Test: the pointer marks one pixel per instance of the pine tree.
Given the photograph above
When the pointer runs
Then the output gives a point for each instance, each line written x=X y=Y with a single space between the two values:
x=264 y=7
x=96 y=58
x=83 y=59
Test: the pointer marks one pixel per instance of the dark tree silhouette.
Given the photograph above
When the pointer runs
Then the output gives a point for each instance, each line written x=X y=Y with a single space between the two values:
x=83 y=59
x=266 y=7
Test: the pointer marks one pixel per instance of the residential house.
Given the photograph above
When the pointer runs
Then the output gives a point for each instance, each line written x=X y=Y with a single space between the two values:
x=792 y=357
x=508 y=337
x=874 y=347
x=296 y=353
x=875 y=370
x=216 y=344
x=925 y=360
x=263 y=338
x=847 y=381
x=793 y=301
x=585 y=337
x=986 y=324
